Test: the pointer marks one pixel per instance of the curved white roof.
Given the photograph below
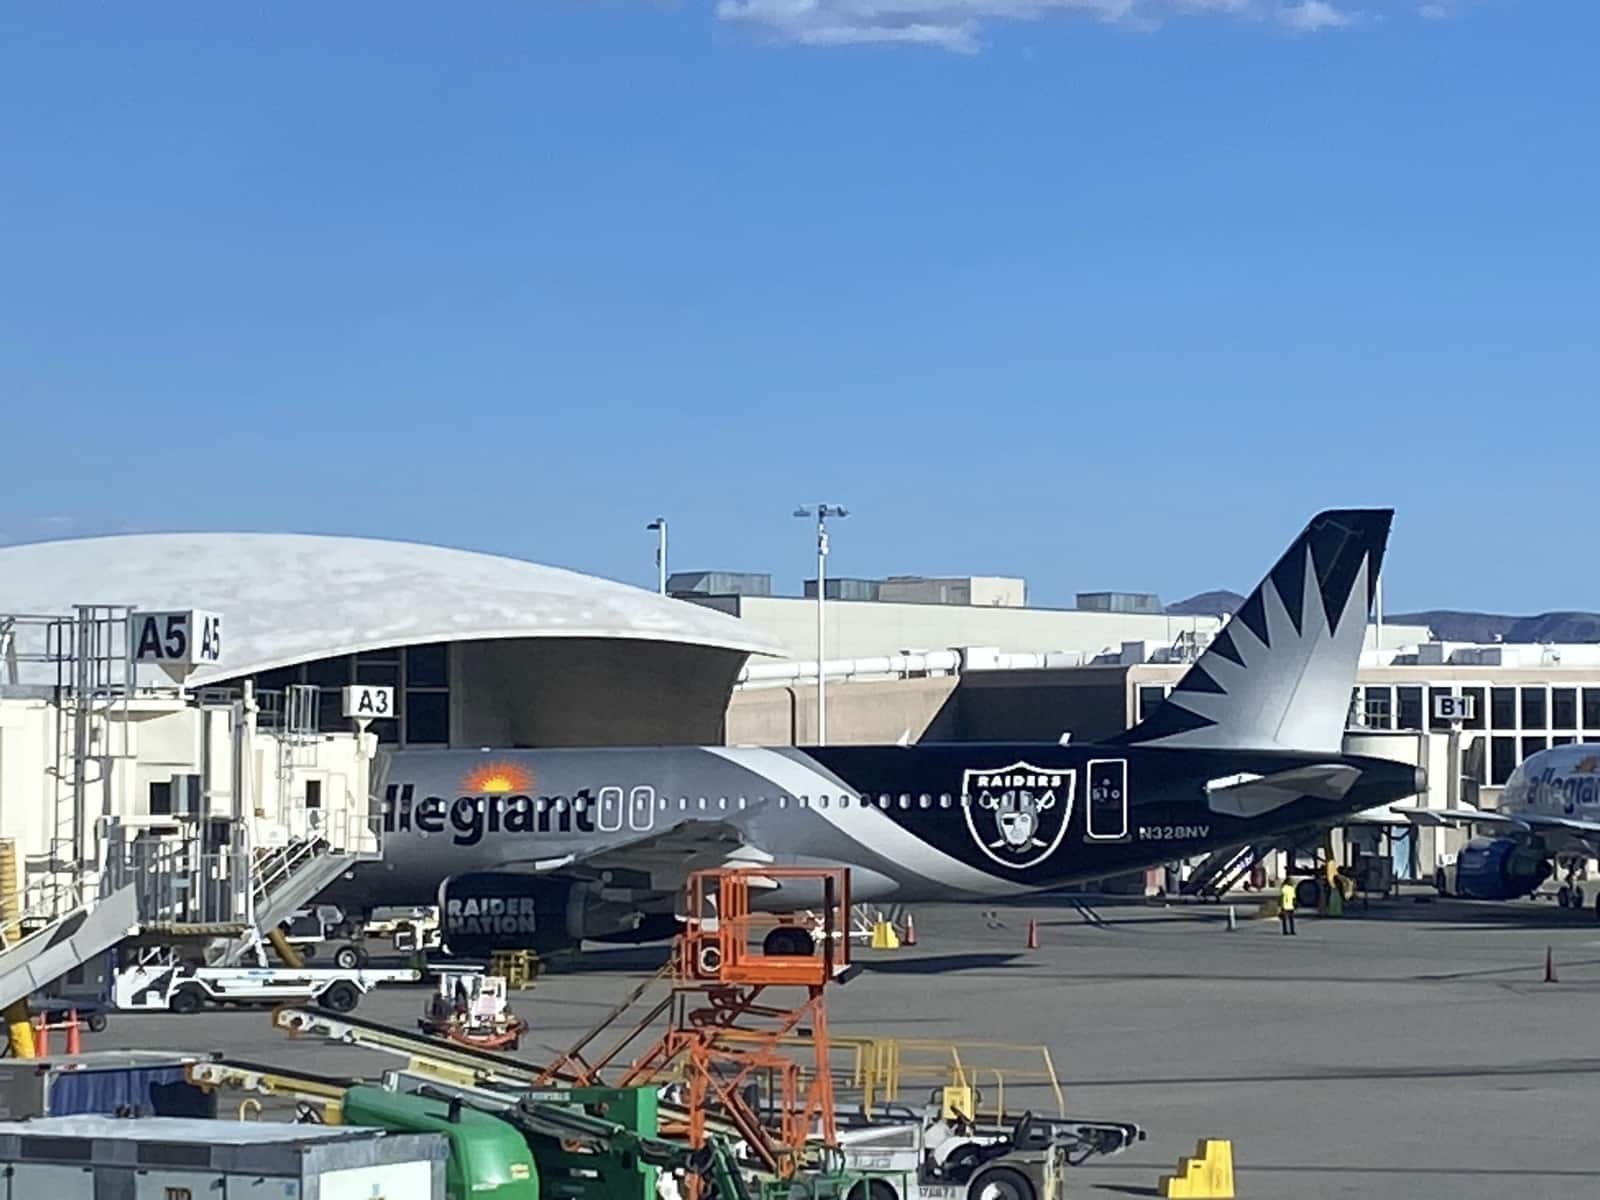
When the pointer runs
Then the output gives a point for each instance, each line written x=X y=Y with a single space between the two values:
x=291 y=598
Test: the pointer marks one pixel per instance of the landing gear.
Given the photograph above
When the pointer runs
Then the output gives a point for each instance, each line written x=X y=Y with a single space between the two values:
x=788 y=941
x=1564 y=897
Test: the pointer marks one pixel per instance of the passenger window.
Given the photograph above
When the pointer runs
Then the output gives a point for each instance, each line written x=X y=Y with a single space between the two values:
x=741 y=802
x=924 y=801
x=944 y=800
x=702 y=804
x=783 y=802
x=844 y=801
x=905 y=800
x=722 y=803
x=822 y=802
x=883 y=800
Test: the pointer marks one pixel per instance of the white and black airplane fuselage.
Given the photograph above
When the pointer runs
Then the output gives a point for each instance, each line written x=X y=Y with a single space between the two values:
x=957 y=820
x=565 y=844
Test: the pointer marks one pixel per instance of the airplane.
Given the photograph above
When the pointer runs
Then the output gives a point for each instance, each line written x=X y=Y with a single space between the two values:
x=1549 y=813
x=542 y=849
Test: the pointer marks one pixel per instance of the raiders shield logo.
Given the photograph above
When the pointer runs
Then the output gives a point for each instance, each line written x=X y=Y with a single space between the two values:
x=1018 y=814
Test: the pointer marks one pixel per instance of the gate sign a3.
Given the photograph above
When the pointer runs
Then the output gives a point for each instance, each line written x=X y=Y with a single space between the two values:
x=177 y=641
x=366 y=702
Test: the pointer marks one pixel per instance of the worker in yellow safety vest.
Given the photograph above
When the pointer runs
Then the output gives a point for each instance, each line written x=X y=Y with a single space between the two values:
x=1286 y=900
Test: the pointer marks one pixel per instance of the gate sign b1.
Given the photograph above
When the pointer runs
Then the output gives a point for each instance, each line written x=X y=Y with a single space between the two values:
x=177 y=642
x=1448 y=707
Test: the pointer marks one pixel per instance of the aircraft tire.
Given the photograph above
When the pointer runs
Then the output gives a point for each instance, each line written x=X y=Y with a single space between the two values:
x=788 y=941
x=1564 y=898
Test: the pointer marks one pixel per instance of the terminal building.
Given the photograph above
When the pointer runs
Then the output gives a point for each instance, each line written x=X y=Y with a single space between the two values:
x=178 y=750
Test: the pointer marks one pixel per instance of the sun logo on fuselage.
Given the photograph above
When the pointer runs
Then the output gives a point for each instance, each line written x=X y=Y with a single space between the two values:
x=497 y=779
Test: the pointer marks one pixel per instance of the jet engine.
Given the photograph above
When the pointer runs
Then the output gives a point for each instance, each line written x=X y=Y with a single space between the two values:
x=504 y=910
x=1500 y=869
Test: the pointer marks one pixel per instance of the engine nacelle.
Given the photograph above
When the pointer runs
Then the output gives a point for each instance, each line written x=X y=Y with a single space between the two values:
x=1499 y=869
x=505 y=910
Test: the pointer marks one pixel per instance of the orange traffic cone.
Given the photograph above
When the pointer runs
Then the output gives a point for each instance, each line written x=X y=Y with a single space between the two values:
x=41 y=1038
x=1549 y=966
x=74 y=1033
x=1033 y=934
x=910 y=938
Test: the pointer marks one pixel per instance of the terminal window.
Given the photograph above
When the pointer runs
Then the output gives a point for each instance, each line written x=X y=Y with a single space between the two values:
x=1533 y=708
x=1532 y=746
x=1502 y=759
x=1410 y=708
x=1150 y=698
x=1378 y=708
x=1503 y=708
x=1479 y=718
x=1591 y=708
x=1563 y=708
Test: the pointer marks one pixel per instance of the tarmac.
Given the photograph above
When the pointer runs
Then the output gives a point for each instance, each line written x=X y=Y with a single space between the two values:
x=1409 y=1050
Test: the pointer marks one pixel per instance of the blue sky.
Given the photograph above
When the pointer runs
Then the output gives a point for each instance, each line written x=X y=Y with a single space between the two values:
x=1107 y=293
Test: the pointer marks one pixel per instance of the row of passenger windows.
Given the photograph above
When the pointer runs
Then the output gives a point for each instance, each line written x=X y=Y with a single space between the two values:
x=724 y=803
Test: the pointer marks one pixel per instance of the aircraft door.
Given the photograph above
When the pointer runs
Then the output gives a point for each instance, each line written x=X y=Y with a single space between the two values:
x=1108 y=799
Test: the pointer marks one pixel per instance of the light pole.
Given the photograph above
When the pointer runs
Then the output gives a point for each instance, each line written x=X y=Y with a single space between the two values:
x=821 y=512
x=659 y=526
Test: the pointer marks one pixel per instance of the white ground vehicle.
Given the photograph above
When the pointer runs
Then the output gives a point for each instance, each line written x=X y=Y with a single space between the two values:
x=185 y=988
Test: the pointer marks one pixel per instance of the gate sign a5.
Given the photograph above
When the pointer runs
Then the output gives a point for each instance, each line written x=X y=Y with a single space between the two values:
x=177 y=641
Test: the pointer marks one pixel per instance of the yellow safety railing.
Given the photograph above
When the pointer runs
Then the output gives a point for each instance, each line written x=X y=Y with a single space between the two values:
x=880 y=1069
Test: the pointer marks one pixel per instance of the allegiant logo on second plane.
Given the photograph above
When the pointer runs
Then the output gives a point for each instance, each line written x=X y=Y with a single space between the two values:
x=1570 y=791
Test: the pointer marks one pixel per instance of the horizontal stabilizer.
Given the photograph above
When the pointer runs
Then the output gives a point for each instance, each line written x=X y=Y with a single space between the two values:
x=1253 y=795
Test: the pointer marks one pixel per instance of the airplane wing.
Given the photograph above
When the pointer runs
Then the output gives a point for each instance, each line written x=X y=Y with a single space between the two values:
x=1523 y=822
x=665 y=855
x=1248 y=795
x=1464 y=815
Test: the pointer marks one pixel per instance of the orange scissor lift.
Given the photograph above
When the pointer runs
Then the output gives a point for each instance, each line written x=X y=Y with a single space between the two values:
x=741 y=983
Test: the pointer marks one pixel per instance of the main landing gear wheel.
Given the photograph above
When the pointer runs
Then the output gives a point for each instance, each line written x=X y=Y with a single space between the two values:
x=1564 y=898
x=788 y=941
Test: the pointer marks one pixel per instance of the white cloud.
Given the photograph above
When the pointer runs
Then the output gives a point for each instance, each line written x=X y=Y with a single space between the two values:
x=1433 y=12
x=1313 y=16
x=958 y=24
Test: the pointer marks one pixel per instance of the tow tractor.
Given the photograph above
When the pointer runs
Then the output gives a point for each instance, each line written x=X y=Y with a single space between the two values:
x=471 y=1008
x=188 y=987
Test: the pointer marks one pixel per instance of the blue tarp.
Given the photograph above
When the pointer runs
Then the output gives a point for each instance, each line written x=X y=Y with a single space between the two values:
x=147 y=1091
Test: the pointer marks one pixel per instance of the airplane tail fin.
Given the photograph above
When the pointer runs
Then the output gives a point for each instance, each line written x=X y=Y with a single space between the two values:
x=1279 y=674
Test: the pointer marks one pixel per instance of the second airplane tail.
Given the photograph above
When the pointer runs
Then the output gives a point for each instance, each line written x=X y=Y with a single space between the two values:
x=1279 y=674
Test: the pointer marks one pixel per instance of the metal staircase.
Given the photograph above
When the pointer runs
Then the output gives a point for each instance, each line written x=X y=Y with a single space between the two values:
x=284 y=880
x=1221 y=871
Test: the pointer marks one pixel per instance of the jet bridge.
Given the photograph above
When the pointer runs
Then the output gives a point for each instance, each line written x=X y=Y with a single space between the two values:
x=137 y=811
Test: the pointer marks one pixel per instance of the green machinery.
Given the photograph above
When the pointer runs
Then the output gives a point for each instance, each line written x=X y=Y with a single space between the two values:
x=487 y=1157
